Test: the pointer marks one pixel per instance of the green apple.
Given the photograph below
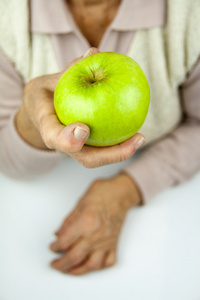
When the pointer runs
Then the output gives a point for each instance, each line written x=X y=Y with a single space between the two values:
x=108 y=92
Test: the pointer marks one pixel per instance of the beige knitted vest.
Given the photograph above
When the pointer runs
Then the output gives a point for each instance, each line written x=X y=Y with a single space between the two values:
x=166 y=54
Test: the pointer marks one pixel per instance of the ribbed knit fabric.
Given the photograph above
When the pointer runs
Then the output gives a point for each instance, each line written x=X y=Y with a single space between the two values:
x=32 y=158
x=32 y=55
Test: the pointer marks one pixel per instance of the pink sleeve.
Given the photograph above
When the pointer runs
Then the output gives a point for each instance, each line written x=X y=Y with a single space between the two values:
x=175 y=158
x=17 y=158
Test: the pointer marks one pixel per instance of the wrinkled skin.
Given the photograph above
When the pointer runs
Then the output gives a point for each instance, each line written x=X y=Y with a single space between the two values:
x=88 y=237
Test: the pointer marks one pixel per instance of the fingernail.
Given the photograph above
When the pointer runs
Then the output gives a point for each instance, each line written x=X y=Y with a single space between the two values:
x=139 y=143
x=80 y=133
x=87 y=52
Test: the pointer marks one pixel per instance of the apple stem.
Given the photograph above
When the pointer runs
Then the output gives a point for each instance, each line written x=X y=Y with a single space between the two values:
x=93 y=73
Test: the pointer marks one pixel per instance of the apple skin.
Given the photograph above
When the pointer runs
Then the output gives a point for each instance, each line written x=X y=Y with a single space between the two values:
x=108 y=92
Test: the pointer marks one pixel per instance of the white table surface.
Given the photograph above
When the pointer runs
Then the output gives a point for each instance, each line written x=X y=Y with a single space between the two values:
x=158 y=254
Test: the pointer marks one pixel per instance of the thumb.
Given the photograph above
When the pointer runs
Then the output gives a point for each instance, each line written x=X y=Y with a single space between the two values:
x=72 y=138
x=67 y=139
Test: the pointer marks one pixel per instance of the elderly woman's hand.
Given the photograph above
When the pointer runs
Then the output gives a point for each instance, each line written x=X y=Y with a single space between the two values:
x=87 y=239
x=39 y=126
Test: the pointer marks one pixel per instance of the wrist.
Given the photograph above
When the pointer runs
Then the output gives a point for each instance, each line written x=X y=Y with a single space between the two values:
x=131 y=193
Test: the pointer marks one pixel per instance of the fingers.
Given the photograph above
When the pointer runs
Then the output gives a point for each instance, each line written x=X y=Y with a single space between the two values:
x=94 y=262
x=66 y=240
x=68 y=221
x=73 y=257
x=38 y=99
x=55 y=135
x=69 y=139
x=109 y=259
x=77 y=225
x=78 y=261
x=92 y=157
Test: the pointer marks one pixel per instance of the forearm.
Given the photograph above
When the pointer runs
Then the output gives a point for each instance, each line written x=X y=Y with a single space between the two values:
x=18 y=158
x=169 y=162
x=176 y=157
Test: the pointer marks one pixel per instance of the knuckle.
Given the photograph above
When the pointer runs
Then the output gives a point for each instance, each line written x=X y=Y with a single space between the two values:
x=80 y=158
x=73 y=258
x=111 y=261
x=94 y=264
x=74 y=148
x=86 y=163
x=62 y=242
x=68 y=145
x=63 y=144
x=126 y=153
x=90 y=162
x=123 y=156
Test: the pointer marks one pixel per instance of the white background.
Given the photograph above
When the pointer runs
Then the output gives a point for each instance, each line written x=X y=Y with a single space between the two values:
x=158 y=253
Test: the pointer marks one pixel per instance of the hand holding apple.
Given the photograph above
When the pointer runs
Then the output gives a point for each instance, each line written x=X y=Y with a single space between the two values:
x=39 y=126
x=107 y=91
